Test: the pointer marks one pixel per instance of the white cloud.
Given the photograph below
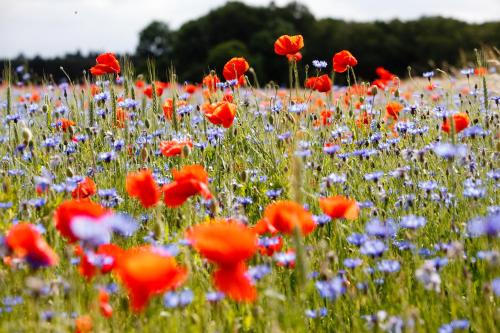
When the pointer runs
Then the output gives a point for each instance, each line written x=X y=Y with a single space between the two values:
x=53 y=27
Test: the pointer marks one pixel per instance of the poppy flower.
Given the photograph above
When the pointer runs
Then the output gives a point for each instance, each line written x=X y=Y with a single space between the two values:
x=384 y=74
x=320 y=83
x=86 y=188
x=64 y=124
x=140 y=84
x=392 y=109
x=106 y=254
x=26 y=242
x=84 y=324
x=460 y=121
x=189 y=181
x=228 y=244
x=69 y=209
x=235 y=68
x=141 y=185
x=285 y=44
x=210 y=81
x=190 y=88
x=159 y=87
x=121 y=117
x=104 y=306
x=221 y=113
x=106 y=64
x=342 y=60
x=294 y=57
x=174 y=147
x=264 y=227
x=168 y=107
x=363 y=119
x=148 y=271
x=339 y=207
x=285 y=216
x=480 y=71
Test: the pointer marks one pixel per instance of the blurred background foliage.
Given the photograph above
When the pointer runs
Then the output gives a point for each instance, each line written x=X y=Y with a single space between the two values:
x=237 y=29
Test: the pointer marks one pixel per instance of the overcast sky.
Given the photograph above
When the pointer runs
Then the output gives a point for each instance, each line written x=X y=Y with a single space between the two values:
x=53 y=27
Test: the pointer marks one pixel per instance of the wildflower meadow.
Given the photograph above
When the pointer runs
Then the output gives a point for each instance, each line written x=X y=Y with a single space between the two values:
x=321 y=204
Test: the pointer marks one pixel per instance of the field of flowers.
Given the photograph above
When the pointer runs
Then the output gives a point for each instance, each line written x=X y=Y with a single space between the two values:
x=134 y=205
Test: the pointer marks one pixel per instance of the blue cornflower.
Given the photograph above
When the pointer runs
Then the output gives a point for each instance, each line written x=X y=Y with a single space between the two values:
x=319 y=63
x=352 y=262
x=378 y=228
x=106 y=156
x=357 y=239
x=467 y=71
x=495 y=285
x=428 y=74
x=375 y=176
x=455 y=325
x=178 y=299
x=321 y=312
x=449 y=150
x=331 y=289
x=214 y=296
x=373 y=248
x=388 y=266
x=489 y=226
x=256 y=273
x=297 y=108
x=322 y=219
x=273 y=193
x=428 y=185
x=413 y=222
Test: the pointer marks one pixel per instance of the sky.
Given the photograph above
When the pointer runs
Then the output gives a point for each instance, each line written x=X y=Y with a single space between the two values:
x=55 y=27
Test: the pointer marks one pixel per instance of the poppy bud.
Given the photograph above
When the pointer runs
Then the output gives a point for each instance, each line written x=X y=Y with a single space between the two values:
x=27 y=135
x=396 y=94
x=70 y=172
x=45 y=108
x=146 y=123
x=374 y=90
x=186 y=150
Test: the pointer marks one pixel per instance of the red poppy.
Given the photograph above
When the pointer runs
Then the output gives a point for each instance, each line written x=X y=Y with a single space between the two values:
x=86 y=188
x=104 y=306
x=221 y=113
x=174 y=147
x=210 y=81
x=83 y=324
x=286 y=215
x=64 y=124
x=26 y=242
x=285 y=44
x=159 y=87
x=106 y=64
x=190 y=88
x=168 y=107
x=88 y=270
x=392 y=109
x=140 y=84
x=384 y=74
x=460 y=120
x=228 y=244
x=342 y=60
x=339 y=207
x=148 y=271
x=320 y=83
x=141 y=185
x=264 y=227
x=235 y=68
x=189 y=181
x=363 y=119
x=121 y=117
x=69 y=209
x=481 y=71
x=294 y=57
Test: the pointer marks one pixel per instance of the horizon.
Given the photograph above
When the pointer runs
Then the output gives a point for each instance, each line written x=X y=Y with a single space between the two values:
x=51 y=41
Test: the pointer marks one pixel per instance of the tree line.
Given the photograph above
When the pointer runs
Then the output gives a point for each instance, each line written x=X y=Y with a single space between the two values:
x=237 y=29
